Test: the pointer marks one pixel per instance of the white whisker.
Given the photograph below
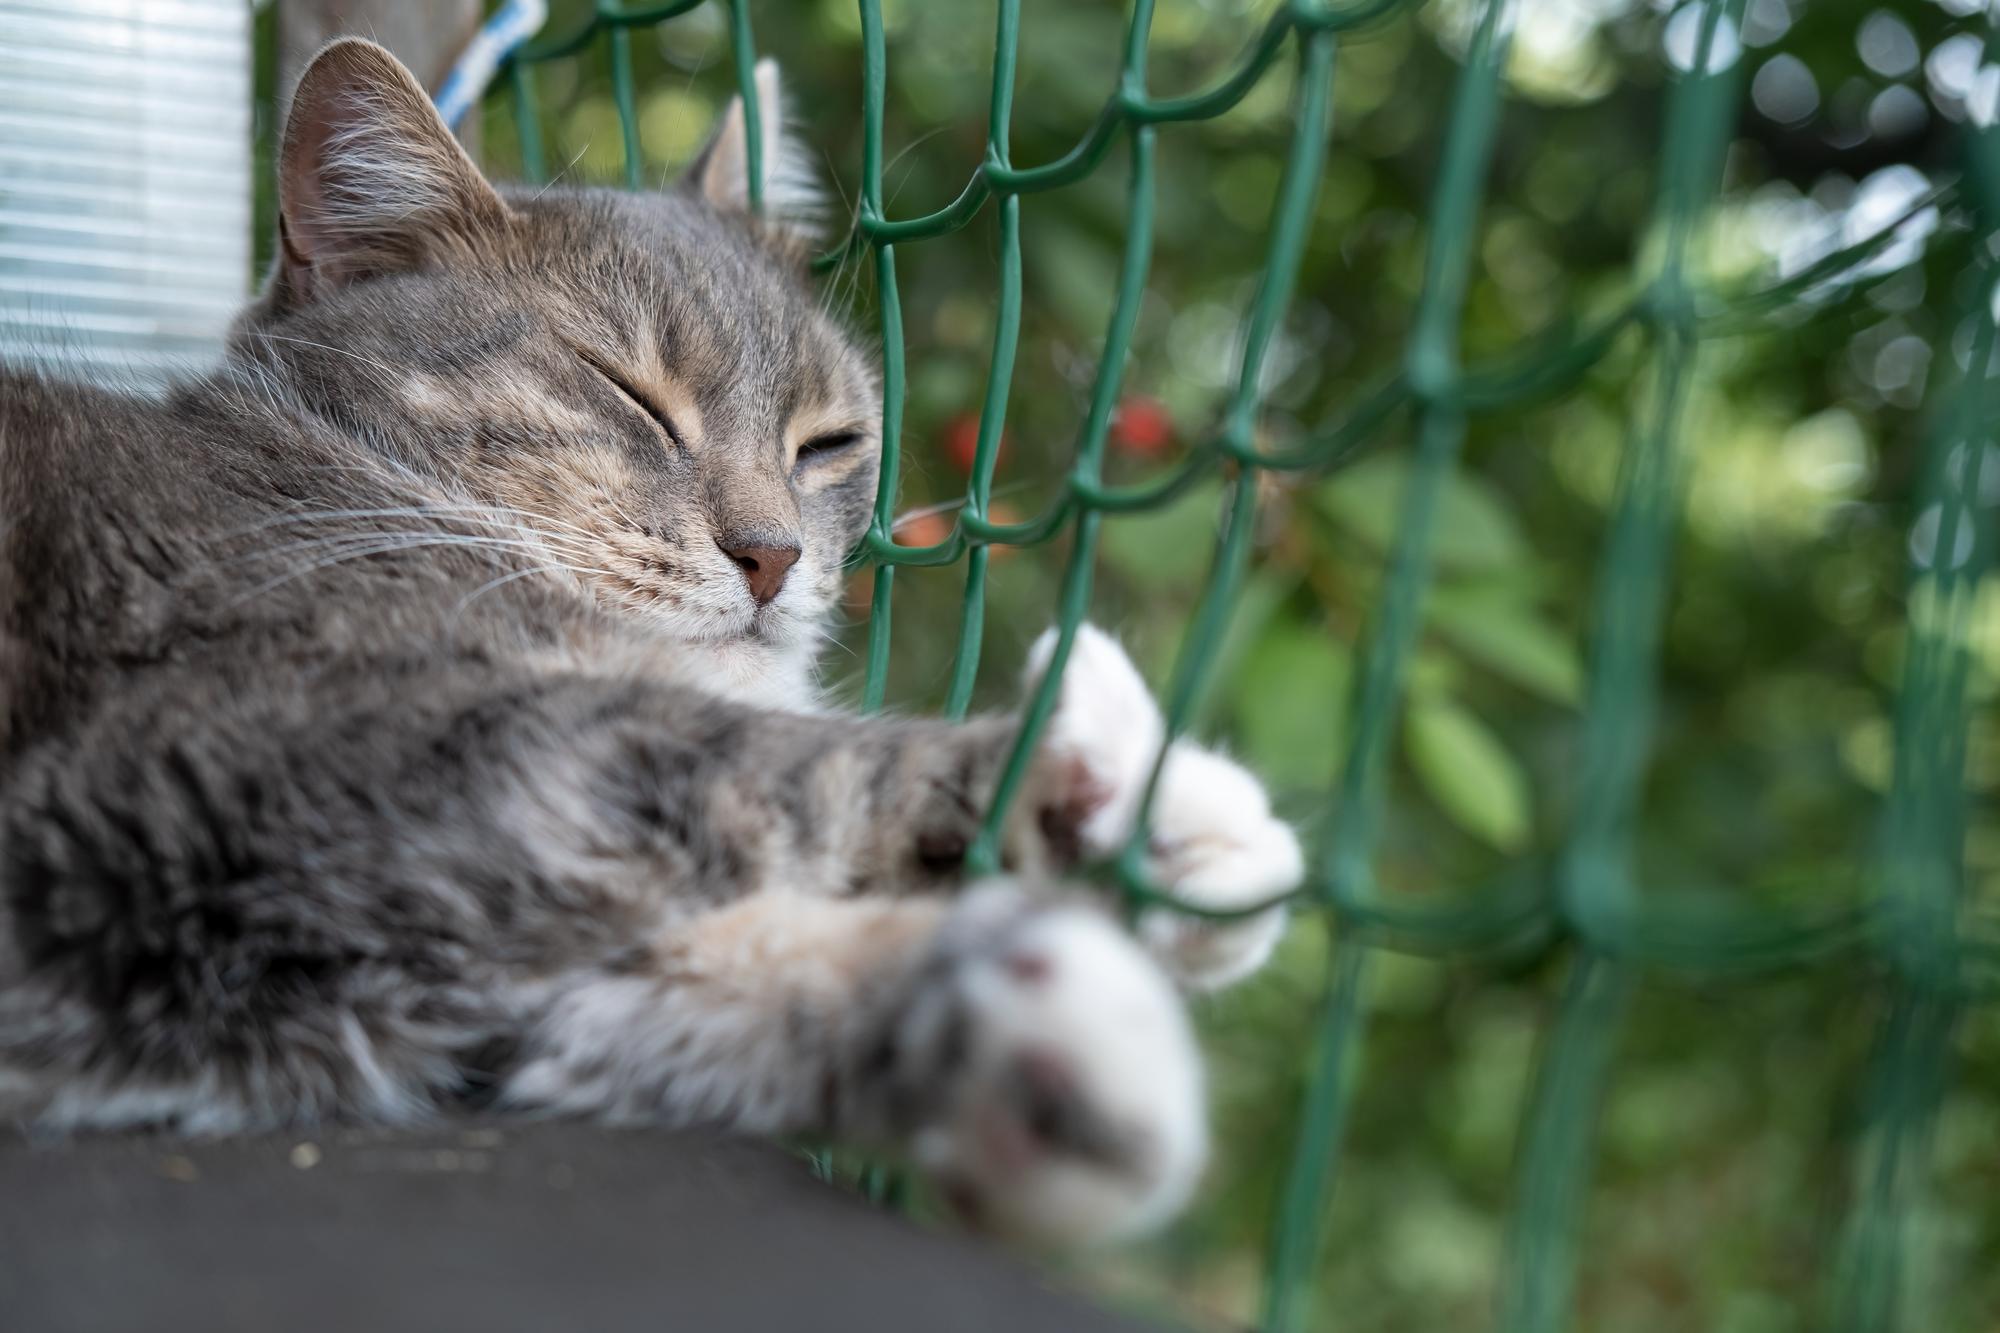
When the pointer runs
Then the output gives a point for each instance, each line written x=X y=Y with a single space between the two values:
x=551 y=183
x=494 y=515
x=363 y=545
x=327 y=347
x=473 y=596
x=397 y=539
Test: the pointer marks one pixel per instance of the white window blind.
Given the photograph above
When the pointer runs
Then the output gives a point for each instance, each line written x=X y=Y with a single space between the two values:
x=125 y=191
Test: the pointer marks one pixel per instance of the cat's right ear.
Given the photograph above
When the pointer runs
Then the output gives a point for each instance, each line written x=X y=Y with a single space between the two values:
x=794 y=202
x=369 y=178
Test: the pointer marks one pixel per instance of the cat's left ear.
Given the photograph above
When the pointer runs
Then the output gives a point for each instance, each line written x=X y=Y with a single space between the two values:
x=794 y=202
x=370 y=181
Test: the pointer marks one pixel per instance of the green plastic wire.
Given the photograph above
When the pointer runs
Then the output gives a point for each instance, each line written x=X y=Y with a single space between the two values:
x=1595 y=878
x=1911 y=927
x=1921 y=867
x=1430 y=364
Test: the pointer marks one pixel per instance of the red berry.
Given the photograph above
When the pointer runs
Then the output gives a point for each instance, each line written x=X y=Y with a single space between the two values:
x=961 y=441
x=1142 y=427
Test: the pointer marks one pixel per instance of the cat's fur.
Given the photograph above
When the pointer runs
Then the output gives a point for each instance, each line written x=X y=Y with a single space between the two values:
x=417 y=712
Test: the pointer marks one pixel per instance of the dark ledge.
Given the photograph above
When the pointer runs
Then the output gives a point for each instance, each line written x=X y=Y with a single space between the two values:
x=549 y=1228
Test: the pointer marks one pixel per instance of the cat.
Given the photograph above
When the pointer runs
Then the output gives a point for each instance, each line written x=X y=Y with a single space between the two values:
x=417 y=713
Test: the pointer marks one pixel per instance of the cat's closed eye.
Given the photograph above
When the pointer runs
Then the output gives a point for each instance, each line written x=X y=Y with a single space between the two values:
x=637 y=399
x=823 y=447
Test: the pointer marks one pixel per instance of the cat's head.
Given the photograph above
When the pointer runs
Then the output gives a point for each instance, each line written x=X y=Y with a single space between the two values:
x=646 y=376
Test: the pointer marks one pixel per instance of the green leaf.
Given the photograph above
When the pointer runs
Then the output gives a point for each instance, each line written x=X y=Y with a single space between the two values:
x=1076 y=273
x=1257 y=602
x=1469 y=773
x=1508 y=637
x=1288 y=700
x=1168 y=548
x=1474 y=529
x=1433 y=674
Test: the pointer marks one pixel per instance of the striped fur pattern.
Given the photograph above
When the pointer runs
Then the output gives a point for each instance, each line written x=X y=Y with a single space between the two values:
x=418 y=714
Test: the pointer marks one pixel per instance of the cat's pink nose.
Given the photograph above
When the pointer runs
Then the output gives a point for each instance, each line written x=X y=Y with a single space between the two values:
x=764 y=567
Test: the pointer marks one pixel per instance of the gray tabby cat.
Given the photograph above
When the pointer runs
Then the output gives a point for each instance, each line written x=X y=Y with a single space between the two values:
x=417 y=713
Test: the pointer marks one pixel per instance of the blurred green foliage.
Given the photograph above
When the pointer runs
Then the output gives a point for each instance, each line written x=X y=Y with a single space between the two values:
x=1733 y=1121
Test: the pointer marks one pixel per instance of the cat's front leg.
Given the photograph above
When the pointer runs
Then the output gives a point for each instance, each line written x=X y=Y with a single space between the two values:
x=1018 y=1049
x=1212 y=842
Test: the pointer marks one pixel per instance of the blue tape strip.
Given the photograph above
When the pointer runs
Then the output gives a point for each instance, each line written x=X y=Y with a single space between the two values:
x=514 y=23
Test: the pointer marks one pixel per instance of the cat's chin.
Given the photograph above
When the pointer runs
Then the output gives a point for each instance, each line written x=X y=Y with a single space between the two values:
x=775 y=627
x=767 y=673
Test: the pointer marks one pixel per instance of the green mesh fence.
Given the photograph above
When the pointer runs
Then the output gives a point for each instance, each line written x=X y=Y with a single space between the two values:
x=1913 y=926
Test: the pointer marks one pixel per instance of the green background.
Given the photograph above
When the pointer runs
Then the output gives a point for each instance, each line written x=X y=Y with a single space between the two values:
x=1734 y=1134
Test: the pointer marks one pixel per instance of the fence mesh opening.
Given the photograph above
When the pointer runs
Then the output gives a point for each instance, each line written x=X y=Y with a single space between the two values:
x=1914 y=925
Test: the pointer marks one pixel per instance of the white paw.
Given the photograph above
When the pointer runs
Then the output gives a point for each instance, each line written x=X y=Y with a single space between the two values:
x=1213 y=841
x=1076 y=1108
